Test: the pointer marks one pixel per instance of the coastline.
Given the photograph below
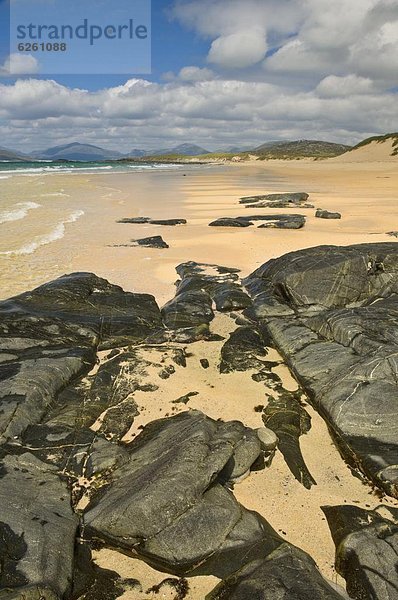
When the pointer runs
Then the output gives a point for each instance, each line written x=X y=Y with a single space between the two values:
x=365 y=194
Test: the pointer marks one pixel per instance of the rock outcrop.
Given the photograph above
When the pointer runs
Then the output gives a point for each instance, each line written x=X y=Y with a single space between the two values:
x=332 y=313
x=277 y=201
x=148 y=220
x=366 y=550
x=268 y=221
x=325 y=214
x=78 y=352
x=155 y=241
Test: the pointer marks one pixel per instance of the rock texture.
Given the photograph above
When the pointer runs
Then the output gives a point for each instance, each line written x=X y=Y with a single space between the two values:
x=286 y=573
x=167 y=502
x=268 y=221
x=148 y=220
x=332 y=313
x=37 y=530
x=78 y=354
x=366 y=551
x=230 y=222
x=277 y=201
x=156 y=241
x=325 y=214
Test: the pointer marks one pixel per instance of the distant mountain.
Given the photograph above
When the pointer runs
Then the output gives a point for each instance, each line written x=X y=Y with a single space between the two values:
x=234 y=149
x=182 y=149
x=11 y=155
x=300 y=149
x=137 y=153
x=79 y=152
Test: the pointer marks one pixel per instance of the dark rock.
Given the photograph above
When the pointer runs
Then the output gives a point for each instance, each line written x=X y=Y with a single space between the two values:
x=293 y=221
x=276 y=200
x=37 y=530
x=185 y=399
x=205 y=363
x=230 y=222
x=325 y=214
x=148 y=220
x=136 y=220
x=241 y=351
x=207 y=272
x=170 y=222
x=26 y=396
x=188 y=309
x=342 y=343
x=156 y=241
x=366 y=551
x=79 y=309
x=286 y=573
x=289 y=420
x=229 y=297
x=168 y=486
x=282 y=222
x=180 y=586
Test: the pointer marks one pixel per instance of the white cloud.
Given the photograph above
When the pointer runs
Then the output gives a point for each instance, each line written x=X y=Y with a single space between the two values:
x=239 y=50
x=327 y=76
x=350 y=85
x=237 y=28
x=212 y=113
x=315 y=38
x=20 y=64
x=191 y=74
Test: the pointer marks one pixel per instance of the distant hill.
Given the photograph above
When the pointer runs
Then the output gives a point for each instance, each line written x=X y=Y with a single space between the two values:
x=136 y=153
x=300 y=149
x=11 y=155
x=375 y=148
x=79 y=152
x=234 y=149
x=181 y=150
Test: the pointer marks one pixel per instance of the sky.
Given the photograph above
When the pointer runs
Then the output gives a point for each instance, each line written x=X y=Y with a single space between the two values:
x=224 y=73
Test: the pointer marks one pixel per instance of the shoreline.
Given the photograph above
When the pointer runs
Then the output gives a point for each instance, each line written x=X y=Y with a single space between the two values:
x=366 y=197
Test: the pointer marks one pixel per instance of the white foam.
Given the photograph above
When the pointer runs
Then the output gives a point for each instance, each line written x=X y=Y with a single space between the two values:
x=19 y=211
x=55 y=194
x=5 y=176
x=56 y=234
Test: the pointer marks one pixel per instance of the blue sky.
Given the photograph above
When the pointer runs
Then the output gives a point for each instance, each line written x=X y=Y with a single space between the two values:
x=224 y=73
x=173 y=47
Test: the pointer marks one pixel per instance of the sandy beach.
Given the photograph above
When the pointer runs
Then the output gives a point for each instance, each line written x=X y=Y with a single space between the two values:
x=73 y=226
x=84 y=210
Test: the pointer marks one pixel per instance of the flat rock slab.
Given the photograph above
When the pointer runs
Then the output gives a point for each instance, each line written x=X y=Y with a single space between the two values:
x=325 y=214
x=37 y=530
x=155 y=241
x=268 y=221
x=366 y=551
x=276 y=200
x=148 y=220
x=230 y=222
x=333 y=314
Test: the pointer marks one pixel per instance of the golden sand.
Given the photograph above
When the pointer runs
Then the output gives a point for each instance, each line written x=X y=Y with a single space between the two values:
x=366 y=193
